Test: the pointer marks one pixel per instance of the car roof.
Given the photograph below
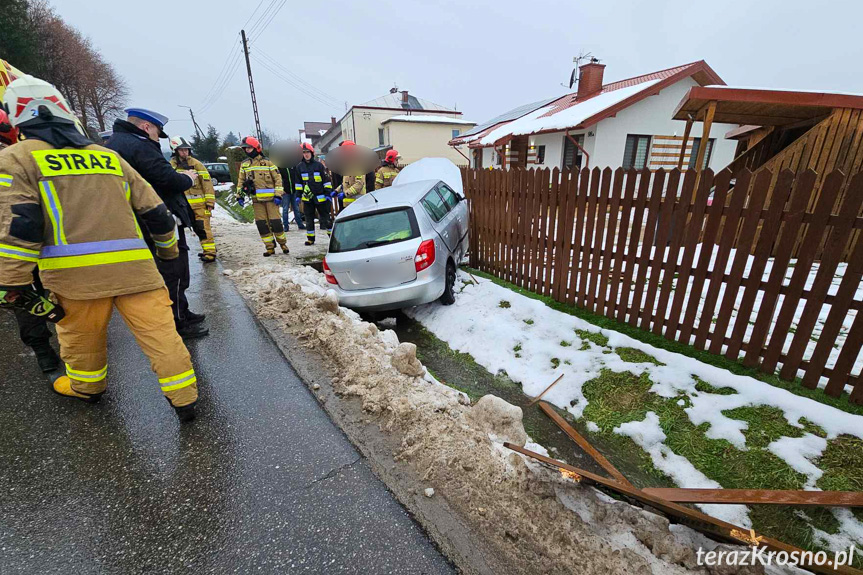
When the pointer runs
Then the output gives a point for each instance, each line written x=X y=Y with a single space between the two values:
x=405 y=195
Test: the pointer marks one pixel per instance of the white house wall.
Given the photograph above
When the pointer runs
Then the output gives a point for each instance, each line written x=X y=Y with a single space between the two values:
x=652 y=116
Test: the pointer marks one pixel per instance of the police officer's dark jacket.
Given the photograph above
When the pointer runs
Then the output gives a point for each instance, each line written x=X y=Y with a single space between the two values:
x=145 y=155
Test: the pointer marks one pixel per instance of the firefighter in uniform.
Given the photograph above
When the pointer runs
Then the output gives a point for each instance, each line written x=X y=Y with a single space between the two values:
x=316 y=188
x=32 y=330
x=68 y=208
x=260 y=179
x=351 y=188
x=201 y=196
x=388 y=171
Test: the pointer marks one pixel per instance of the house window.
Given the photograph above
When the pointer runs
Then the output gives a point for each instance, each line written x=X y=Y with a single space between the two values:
x=540 y=154
x=696 y=143
x=571 y=153
x=636 y=152
x=380 y=136
x=455 y=133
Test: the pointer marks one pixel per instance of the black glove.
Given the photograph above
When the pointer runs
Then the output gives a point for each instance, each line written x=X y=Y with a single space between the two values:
x=249 y=187
x=28 y=299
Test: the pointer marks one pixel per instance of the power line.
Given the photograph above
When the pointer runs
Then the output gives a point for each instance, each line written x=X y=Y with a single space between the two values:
x=217 y=95
x=324 y=95
x=261 y=18
x=252 y=15
x=272 y=16
x=215 y=86
x=285 y=79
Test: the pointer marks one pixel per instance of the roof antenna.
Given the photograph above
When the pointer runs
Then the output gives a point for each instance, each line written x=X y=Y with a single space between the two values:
x=573 y=78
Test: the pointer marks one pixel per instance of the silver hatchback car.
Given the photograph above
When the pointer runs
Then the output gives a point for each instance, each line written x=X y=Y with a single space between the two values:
x=399 y=247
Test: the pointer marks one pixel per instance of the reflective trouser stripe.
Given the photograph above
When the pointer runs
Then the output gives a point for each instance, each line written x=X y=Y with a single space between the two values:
x=310 y=233
x=16 y=253
x=280 y=236
x=180 y=381
x=87 y=376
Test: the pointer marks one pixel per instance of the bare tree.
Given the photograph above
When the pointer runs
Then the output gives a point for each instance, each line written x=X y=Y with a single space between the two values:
x=108 y=94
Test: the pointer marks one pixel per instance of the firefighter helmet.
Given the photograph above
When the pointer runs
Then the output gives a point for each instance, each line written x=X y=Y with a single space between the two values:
x=251 y=142
x=8 y=134
x=392 y=157
x=29 y=101
x=179 y=142
x=348 y=143
x=307 y=147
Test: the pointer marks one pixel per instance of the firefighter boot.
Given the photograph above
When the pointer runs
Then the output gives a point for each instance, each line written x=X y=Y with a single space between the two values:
x=269 y=252
x=63 y=386
x=285 y=249
x=47 y=358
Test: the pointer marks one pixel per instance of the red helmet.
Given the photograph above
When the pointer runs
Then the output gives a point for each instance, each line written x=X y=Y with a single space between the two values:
x=348 y=143
x=8 y=133
x=307 y=147
x=251 y=142
x=391 y=157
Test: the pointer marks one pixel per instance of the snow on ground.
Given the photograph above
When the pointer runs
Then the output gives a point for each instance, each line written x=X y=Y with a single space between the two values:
x=490 y=322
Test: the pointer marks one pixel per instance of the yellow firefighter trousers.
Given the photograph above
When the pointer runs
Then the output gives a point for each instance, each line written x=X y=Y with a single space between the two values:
x=268 y=220
x=83 y=336
x=208 y=244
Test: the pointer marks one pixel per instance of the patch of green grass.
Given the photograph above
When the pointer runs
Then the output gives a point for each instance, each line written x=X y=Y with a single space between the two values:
x=593 y=336
x=241 y=214
x=517 y=348
x=632 y=355
x=565 y=344
x=842 y=463
x=504 y=304
x=555 y=362
x=528 y=321
x=567 y=362
x=705 y=387
x=616 y=398
x=660 y=342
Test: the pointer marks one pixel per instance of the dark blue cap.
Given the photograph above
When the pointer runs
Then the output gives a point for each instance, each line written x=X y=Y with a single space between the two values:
x=154 y=118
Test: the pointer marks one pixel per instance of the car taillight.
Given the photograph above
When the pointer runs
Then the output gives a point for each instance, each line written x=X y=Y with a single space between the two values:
x=425 y=255
x=331 y=278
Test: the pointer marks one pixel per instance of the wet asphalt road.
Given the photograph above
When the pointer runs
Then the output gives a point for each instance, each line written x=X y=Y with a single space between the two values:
x=261 y=482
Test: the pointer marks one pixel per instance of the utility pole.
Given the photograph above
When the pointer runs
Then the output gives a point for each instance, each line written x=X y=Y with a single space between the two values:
x=197 y=127
x=251 y=84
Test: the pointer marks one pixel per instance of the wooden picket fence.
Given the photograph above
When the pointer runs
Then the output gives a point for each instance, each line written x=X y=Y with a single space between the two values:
x=647 y=249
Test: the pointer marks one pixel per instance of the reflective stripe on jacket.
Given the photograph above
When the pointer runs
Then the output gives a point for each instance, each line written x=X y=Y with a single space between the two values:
x=72 y=212
x=385 y=176
x=265 y=175
x=201 y=194
x=313 y=181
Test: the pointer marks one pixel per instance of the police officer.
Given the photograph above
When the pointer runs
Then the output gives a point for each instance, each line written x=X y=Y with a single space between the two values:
x=315 y=186
x=136 y=139
x=32 y=330
x=74 y=205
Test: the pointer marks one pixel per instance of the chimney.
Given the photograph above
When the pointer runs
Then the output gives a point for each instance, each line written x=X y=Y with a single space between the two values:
x=590 y=79
x=332 y=120
x=404 y=96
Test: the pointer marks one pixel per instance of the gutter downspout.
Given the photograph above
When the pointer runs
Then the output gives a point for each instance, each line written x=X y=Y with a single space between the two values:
x=583 y=151
x=462 y=154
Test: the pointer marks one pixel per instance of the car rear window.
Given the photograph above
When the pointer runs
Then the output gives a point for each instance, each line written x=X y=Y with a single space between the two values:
x=374 y=229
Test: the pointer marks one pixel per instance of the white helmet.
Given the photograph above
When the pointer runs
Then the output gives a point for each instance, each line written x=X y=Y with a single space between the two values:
x=30 y=100
x=178 y=142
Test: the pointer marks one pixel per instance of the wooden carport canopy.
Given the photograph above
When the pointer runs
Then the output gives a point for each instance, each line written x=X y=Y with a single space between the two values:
x=752 y=106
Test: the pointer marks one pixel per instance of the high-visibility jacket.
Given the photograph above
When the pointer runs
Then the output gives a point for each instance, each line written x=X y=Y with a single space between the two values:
x=266 y=177
x=71 y=212
x=201 y=194
x=314 y=181
x=385 y=176
x=353 y=187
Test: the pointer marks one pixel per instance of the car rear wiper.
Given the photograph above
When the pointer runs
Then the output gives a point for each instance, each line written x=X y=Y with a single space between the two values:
x=376 y=243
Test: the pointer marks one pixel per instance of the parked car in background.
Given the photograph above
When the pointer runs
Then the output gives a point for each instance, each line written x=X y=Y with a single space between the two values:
x=219 y=172
x=401 y=246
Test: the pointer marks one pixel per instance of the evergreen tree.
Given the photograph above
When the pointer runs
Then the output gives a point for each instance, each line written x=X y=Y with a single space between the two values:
x=206 y=149
x=19 y=43
x=230 y=140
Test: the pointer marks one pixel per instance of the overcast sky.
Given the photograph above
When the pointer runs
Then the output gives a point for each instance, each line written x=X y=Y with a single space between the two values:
x=483 y=57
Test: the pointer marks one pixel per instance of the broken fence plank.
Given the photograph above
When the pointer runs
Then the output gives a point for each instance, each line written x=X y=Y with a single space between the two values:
x=759 y=496
x=695 y=519
x=584 y=444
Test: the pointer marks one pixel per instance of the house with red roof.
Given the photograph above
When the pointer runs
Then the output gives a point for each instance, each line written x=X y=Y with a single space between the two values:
x=626 y=123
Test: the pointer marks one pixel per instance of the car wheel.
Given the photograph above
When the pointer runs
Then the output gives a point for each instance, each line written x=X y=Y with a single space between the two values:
x=448 y=297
